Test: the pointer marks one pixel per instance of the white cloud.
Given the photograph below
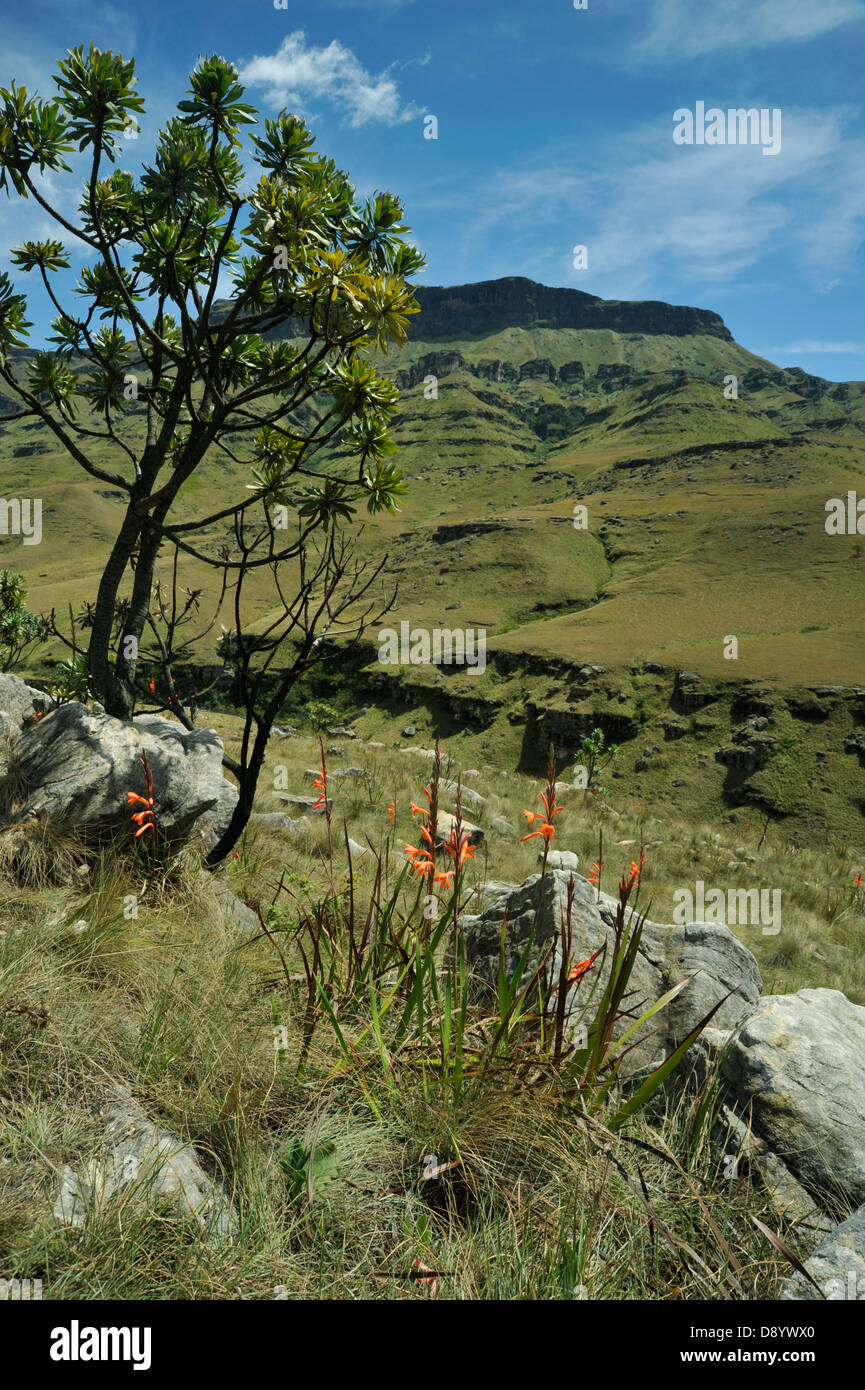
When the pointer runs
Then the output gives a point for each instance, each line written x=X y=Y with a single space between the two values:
x=680 y=29
x=298 y=72
x=652 y=213
x=813 y=345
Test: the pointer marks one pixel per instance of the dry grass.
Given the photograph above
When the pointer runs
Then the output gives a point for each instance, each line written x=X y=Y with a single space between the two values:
x=326 y=1167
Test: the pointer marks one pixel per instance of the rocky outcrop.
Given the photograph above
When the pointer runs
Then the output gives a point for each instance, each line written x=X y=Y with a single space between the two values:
x=432 y=364
x=792 y=1066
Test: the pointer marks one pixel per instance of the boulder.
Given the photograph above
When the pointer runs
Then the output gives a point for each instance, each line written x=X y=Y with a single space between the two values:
x=502 y=826
x=77 y=766
x=142 y=1164
x=799 y=1065
x=837 y=1266
x=707 y=956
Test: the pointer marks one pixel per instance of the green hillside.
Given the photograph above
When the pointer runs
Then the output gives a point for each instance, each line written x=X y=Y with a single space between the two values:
x=705 y=516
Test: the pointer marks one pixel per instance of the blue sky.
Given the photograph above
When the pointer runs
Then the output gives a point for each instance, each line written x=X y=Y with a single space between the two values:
x=555 y=129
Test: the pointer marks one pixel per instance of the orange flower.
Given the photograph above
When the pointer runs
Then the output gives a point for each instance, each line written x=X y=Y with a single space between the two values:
x=546 y=831
x=576 y=972
x=153 y=686
x=422 y=861
x=857 y=882
x=595 y=872
x=143 y=819
x=459 y=854
x=391 y=813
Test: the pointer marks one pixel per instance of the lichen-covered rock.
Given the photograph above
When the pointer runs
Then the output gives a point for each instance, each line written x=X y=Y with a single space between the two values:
x=77 y=766
x=798 y=1063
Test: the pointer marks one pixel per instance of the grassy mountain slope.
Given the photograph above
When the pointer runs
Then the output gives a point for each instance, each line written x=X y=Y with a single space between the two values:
x=705 y=521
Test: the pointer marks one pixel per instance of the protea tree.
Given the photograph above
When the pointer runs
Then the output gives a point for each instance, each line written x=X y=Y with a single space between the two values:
x=152 y=381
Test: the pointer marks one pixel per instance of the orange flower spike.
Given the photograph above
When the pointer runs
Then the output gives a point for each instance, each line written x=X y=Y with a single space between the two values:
x=391 y=813
x=417 y=810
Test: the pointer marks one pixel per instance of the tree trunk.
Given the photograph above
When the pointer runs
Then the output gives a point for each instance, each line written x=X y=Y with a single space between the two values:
x=243 y=810
x=116 y=695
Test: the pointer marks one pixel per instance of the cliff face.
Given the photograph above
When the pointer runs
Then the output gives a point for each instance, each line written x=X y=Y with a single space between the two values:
x=457 y=312
x=467 y=311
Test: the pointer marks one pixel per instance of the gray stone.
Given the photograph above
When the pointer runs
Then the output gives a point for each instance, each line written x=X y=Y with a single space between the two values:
x=526 y=913
x=447 y=825
x=704 y=957
x=235 y=910
x=715 y=962
x=493 y=888
x=359 y=851
x=799 y=1064
x=334 y=773
x=143 y=1164
x=409 y=731
x=77 y=767
x=561 y=859
x=469 y=797
x=837 y=1266
x=19 y=702
x=501 y=826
